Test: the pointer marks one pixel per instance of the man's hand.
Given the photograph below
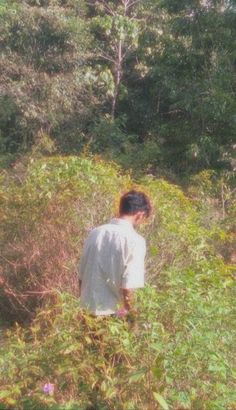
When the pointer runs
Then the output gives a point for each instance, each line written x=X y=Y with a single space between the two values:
x=80 y=284
x=121 y=313
x=128 y=298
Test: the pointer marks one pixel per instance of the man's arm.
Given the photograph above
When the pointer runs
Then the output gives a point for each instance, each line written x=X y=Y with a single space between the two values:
x=81 y=267
x=80 y=284
x=133 y=276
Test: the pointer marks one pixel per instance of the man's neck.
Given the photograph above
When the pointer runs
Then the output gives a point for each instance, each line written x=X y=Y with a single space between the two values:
x=128 y=218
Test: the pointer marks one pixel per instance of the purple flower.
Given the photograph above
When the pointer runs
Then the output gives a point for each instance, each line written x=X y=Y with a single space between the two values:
x=48 y=388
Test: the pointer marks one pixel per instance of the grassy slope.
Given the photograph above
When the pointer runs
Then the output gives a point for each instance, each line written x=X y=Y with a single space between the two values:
x=180 y=351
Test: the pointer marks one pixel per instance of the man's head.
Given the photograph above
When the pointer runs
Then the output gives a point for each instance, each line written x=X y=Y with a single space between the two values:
x=135 y=205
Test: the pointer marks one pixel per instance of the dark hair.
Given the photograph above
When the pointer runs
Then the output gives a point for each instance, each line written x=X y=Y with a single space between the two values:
x=133 y=202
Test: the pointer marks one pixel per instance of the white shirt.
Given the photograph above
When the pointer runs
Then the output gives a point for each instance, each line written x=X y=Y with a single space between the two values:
x=112 y=259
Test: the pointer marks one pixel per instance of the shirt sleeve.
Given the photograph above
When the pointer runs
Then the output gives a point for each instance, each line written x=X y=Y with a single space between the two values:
x=133 y=275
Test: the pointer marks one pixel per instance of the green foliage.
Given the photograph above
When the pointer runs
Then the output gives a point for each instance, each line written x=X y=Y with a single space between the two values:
x=47 y=208
x=214 y=196
x=44 y=53
x=140 y=157
x=182 y=90
x=150 y=84
x=117 y=28
x=49 y=204
x=166 y=67
x=179 y=350
x=108 y=136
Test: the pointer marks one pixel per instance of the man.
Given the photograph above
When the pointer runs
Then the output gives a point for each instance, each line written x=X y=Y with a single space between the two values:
x=112 y=263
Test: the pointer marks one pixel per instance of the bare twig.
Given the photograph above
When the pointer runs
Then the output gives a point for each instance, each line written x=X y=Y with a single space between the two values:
x=106 y=57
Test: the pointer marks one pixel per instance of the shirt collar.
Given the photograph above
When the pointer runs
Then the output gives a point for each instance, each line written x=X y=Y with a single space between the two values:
x=123 y=222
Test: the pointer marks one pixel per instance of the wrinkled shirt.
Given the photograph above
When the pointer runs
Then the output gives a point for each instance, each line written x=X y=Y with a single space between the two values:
x=112 y=260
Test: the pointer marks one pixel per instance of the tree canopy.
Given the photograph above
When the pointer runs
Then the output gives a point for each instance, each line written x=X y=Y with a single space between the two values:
x=122 y=77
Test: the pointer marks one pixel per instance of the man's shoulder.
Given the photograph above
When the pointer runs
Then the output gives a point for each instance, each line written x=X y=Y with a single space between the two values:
x=104 y=228
x=118 y=230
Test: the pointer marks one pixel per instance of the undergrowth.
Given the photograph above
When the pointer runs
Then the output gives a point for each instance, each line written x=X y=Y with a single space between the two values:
x=178 y=354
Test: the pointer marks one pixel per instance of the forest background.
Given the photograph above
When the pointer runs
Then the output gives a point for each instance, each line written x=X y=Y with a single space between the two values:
x=150 y=84
x=97 y=97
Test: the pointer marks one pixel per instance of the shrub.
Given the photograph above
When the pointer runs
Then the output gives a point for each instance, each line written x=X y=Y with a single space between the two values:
x=46 y=212
x=47 y=209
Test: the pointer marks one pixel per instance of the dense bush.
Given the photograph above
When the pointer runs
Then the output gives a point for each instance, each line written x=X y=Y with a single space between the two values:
x=49 y=205
x=47 y=209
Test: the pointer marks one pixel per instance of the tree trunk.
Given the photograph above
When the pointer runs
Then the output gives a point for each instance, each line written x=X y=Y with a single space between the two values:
x=118 y=75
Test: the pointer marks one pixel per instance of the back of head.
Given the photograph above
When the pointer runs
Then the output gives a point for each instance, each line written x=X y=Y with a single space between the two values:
x=134 y=201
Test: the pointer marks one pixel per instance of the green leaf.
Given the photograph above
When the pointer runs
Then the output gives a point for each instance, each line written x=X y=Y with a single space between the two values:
x=5 y=393
x=137 y=375
x=157 y=371
x=161 y=401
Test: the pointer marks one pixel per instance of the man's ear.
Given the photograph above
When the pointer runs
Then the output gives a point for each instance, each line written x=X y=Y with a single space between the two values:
x=139 y=216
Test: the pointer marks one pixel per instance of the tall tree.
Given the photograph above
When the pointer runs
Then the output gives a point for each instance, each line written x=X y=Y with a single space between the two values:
x=117 y=27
